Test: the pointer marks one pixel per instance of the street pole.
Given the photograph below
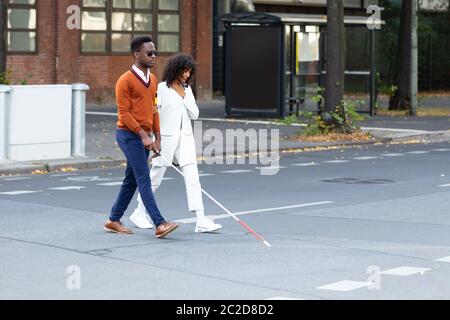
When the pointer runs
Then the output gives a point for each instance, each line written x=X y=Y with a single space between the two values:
x=414 y=59
x=4 y=121
x=78 y=139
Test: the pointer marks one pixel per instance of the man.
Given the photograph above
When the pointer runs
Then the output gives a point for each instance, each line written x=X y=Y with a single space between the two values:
x=138 y=119
x=177 y=106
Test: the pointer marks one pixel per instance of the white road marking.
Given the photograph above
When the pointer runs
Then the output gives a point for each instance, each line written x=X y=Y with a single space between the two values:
x=15 y=193
x=223 y=216
x=392 y=155
x=444 y=259
x=282 y=298
x=366 y=158
x=16 y=179
x=165 y=179
x=68 y=188
x=87 y=179
x=444 y=185
x=405 y=271
x=440 y=150
x=418 y=152
x=271 y=168
x=345 y=285
x=304 y=164
x=110 y=184
x=336 y=161
x=237 y=171
x=206 y=174
x=63 y=175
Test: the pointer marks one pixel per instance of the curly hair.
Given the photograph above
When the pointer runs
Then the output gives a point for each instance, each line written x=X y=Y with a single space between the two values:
x=176 y=66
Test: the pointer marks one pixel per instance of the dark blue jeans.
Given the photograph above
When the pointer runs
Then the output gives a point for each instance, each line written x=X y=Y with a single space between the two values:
x=137 y=175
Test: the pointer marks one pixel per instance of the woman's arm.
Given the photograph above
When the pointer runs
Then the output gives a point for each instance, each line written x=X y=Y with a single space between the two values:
x=190 y=104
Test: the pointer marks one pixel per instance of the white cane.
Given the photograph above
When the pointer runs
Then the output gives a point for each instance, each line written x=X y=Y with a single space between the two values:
x=217 y=202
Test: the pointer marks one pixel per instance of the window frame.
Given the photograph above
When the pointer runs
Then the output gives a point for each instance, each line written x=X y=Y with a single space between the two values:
x=35 y=30
x=109 y=10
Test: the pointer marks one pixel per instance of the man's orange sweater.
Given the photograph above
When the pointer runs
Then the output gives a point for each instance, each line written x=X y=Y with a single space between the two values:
x=136 y=103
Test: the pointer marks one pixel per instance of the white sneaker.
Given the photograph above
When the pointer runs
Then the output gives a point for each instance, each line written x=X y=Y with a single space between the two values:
x=206 y=225
x=141 y=220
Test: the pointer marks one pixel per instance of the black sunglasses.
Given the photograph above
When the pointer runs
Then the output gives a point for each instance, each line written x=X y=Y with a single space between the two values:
x=151 y=53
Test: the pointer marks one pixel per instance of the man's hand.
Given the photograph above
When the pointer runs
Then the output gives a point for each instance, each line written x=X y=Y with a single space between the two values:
x=146 y=140
x=148 y=143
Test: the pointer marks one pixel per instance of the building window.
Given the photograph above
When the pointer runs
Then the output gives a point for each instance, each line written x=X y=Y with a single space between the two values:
x=21 y=29
x=108 y=26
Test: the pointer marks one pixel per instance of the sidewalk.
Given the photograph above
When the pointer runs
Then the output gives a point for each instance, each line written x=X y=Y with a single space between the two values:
x=102 y=150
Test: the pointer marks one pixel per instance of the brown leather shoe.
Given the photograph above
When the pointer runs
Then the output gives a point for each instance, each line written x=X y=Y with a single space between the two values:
x=116 y=227
x=165 y=228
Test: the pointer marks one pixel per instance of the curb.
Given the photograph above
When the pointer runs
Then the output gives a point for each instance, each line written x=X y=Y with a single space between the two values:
x=66 y=165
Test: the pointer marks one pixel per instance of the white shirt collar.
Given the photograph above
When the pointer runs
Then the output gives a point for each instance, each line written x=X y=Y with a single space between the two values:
x=144 y=77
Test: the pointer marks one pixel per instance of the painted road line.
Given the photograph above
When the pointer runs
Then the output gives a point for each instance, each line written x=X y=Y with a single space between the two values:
x=223 y=216
x=110 y=184
x=304 y=164
x=392 y=155
x=237 y=171
x=63 y=175
x=16 y=179
x=444 y=259
x=68 y=188
x=440 y=150
x=19 y=192
x=336 y=161
x=444 y=185
x=206 y=174
x=271 y=168
x=418 y=152
x=366 y=158
x=405 y=271
x=345 y=285
x=282 y=298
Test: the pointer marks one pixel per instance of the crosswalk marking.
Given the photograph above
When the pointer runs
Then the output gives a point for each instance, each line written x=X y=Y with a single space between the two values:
x=336 y=161
x=68 y=188
x=405 y=271
x=20 y=192
x=444 y=259
x=304 y=164
x=365 y=158
x=237 y=171
x=345 y=285
x=392 y=155
x=16 y=179
x=110 y=184
x=418 y=152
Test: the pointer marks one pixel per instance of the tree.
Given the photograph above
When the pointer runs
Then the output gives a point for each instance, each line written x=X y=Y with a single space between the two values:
x=3 y=22
x=403 y=80
x=335 y=56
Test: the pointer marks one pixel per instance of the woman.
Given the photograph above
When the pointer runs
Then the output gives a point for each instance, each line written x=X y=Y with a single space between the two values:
x=177 y=106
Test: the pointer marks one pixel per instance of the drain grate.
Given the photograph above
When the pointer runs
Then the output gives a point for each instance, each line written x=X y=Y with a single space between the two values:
x=359 y=181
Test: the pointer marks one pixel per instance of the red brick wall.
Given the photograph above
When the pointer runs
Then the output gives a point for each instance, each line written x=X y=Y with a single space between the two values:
x=59 y=59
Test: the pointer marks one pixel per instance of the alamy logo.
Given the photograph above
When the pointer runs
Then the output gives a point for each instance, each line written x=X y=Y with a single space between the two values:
x=374 y=21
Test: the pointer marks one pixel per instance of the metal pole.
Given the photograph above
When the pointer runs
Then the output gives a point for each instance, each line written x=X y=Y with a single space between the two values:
x=414 y=59
x=373 y=72
x=4 y=121
x=78 y=138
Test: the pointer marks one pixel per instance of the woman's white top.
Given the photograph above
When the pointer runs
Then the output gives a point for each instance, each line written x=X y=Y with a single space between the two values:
x=175 y=114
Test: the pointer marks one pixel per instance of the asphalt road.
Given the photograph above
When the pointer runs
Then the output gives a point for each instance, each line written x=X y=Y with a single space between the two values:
x=360 y=223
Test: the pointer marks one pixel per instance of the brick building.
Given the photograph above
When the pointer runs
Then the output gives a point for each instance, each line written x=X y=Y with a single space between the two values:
x=68 y=41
